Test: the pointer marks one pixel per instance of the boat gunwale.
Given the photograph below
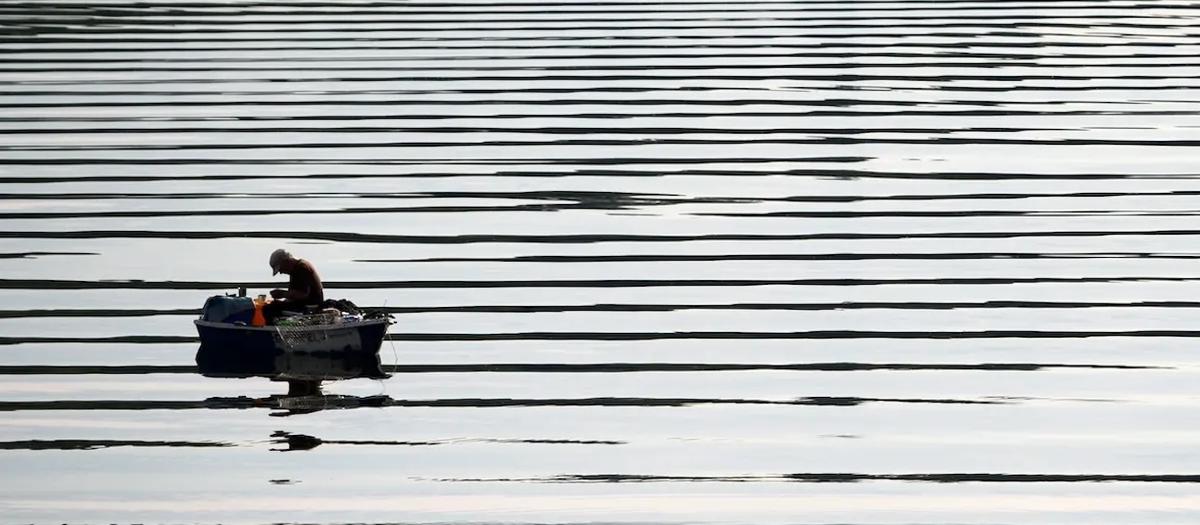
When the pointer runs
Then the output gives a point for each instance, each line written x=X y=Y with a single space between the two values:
x=274 y=328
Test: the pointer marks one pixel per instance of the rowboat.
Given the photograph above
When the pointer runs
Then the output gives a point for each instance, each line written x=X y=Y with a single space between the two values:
x=348 y=336
x=298 y=353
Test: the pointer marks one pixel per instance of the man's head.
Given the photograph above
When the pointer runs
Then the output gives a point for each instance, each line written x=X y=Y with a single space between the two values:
x=281 y=261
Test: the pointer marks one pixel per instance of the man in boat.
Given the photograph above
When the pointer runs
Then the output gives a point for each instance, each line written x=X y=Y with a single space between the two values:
x=304 y=286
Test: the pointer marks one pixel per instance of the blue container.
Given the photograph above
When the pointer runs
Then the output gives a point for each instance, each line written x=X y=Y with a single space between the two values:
x=226 y=309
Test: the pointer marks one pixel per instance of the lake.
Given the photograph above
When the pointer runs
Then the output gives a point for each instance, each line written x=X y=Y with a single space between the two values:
x=674 y=261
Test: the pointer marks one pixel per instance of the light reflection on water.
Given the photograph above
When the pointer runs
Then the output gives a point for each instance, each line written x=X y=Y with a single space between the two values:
x=692 y=261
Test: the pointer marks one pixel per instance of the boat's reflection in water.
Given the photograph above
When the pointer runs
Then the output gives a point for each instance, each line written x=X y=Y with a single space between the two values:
x=303 y=371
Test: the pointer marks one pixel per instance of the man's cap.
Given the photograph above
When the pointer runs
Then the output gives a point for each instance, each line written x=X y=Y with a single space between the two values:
x=277 y=258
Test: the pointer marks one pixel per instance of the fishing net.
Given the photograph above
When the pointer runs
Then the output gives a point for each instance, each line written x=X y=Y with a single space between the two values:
x=303 y=330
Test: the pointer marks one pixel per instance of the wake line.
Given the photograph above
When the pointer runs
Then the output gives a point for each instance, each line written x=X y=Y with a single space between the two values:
x=80 y=32
x=1039 y=36
x=614 y=198
x=148 y=22
x=556 y=3
x=636 y=307
x=419 y=46
x=656 y=336
x=121 y=12
x=838 y=140
x=682 y=73
x=555 y=368
x=594 y=171
x=566 y=238
x=851 y=478
x=55 y=284
x=552 y=207
x=140 y=58
x=242 y=403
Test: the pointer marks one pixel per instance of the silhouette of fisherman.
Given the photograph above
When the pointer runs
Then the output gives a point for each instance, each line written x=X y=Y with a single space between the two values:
x=304 y=286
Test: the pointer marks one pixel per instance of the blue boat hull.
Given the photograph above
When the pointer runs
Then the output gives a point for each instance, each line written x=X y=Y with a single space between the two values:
x=333 y=352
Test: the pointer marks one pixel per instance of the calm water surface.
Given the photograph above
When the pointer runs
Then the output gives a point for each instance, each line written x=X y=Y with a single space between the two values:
x=894 y=261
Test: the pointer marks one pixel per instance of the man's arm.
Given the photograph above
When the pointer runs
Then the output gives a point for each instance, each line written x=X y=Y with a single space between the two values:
x=298 y=294
x=291 y=294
